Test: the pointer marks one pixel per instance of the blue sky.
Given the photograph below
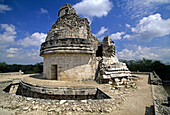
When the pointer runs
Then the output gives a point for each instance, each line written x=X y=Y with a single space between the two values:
x=139 y=28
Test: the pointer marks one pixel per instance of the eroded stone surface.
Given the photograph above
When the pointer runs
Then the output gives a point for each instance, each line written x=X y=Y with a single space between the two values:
x=110 y=67
x=71 y=52
x=69 y=49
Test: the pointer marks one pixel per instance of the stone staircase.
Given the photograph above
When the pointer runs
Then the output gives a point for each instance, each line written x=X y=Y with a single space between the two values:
x=116 y=70
x=113 y=69
x=109 y=65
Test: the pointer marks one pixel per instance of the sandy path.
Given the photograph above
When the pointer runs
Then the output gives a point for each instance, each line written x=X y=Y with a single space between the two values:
x=140 y=102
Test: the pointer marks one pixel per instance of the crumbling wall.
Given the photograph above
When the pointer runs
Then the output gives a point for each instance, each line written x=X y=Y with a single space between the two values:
x=109 y=65
x=108 y=47
x=71 y=25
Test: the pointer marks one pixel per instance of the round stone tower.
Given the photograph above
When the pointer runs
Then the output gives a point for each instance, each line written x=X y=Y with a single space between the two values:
x=69 y=49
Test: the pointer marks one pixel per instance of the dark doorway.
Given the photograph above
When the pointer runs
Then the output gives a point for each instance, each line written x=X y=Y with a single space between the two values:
x=99 y=51
x=54 y=72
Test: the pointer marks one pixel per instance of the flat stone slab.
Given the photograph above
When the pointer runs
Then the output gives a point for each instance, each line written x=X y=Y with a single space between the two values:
x=54 y=83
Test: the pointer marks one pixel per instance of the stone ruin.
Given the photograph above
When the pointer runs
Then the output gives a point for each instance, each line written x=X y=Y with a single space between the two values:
x=110 y=69
x=70 y=52
x=75 y=62
x=69 y=49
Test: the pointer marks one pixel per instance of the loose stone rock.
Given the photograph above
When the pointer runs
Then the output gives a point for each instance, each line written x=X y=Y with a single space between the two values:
x=25 y=108
x=62 y=102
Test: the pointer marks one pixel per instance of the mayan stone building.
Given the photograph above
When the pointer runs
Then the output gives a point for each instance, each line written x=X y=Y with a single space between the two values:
x=72 y=53
x=69 y=49
x=75 y=63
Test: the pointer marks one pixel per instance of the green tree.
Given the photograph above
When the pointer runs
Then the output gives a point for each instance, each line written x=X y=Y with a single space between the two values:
x=3 y=67
x=147 y=65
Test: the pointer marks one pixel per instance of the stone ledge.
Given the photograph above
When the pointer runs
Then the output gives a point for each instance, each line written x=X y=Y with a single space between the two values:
x=40 y=82
x=59 y=90
x=11 y=73
x=66 y=41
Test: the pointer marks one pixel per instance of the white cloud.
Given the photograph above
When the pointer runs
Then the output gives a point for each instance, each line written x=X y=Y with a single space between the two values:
x=156 y=1
x=140 y=8
x=34 y=40
x=101 y=31
x=151 y=27
x=127 y=36
x=7 y=38
x=23 y=56
x=139 y=52
x=12 y=50
x=127 y=25
x=117 y=36
x=10 y=56
x=43 y=11
x=126 y=54
x=8 y=35
x=4 y=8
x=91 y=8
x=19 y=54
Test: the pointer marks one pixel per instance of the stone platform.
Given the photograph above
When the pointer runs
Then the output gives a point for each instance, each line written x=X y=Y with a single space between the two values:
x=51 y=89
x=121 y=101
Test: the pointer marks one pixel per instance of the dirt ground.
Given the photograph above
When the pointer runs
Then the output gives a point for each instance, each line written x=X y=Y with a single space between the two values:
x=140 y=101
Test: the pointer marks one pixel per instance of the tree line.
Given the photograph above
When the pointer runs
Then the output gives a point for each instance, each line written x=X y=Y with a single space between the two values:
x=147 y=65
x=142 y=65
x=27 y=69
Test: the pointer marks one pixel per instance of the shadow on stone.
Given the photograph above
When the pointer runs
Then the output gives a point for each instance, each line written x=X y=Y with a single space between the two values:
x=149 y=79
x=39 y=76
x=149 y=110
x=7 y=89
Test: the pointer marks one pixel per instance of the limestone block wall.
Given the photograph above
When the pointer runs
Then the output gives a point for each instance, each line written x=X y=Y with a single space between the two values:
x=68 y=66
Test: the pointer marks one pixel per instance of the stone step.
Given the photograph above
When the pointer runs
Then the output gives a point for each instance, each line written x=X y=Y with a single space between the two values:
x=118 y=64
x=117 y=69
x=116 y=72
x=106 y=76
x=115 y=76
x=120 y=75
